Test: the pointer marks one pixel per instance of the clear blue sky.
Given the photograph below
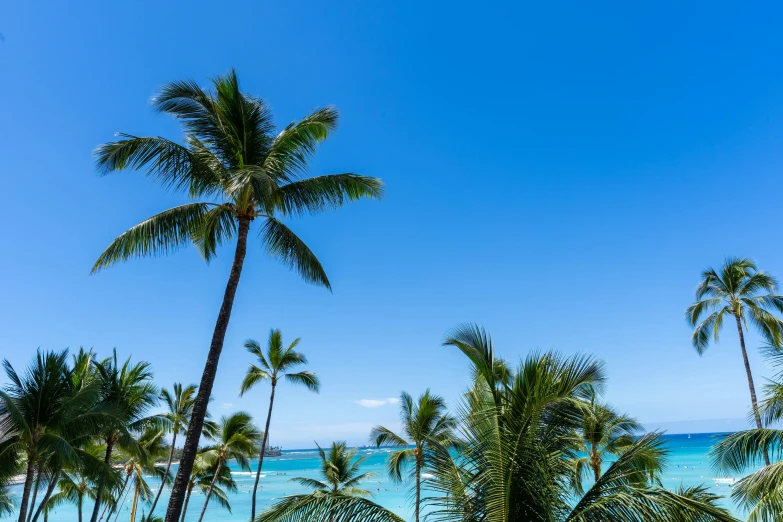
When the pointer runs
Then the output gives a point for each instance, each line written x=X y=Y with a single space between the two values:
x=558 y=172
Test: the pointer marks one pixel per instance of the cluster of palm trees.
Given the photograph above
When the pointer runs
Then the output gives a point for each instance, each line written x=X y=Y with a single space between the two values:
x=81 y=432
x=531 y=443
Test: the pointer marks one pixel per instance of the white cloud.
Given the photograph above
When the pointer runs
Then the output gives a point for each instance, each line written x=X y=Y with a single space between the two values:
x=227 y=405
x=374 y=403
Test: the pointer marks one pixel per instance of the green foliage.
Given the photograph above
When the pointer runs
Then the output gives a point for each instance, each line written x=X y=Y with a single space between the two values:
x=336 y=497
x=276 y=363
x=515 y=459
x=424 y=422
x=741 y=290
x=233 y=157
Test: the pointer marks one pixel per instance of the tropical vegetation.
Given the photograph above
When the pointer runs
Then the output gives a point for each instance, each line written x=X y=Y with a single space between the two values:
x=739 y=291
x=424 y=422
x=237 y=170
x=272 y=366
x=337 y=497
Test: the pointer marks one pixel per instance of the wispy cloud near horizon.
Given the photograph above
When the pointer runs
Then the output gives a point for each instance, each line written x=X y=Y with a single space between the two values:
x=375 y=403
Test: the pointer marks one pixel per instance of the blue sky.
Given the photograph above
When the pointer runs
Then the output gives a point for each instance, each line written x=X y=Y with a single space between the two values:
x=558 y=172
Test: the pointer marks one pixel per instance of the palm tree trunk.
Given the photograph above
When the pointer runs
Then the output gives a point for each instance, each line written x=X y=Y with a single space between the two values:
x=261 y=456
x=35 y=495
x=165 y=474
x=47 y=496
x=135 y=503
x=28 y=484
x=209 y=491
x=418 y=486
x=752 y=387
x=190 y=448
x=79 y=507
x=187 y=501
x=101 y=482
x=123 y=495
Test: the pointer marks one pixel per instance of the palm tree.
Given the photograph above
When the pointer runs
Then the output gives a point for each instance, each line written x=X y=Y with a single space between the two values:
x=179 y=405
x=760 y=493
x=129 y=391
x=139 y=464
x=273 y=366
x=207 y=477
x=74 y=488
x=41 y=414
x=423 y=422
x=340 y=472
x=236 y=440
x=514 y=460
x=747 y=294
x=238 y=170
x=336 y=497
x=603 y=432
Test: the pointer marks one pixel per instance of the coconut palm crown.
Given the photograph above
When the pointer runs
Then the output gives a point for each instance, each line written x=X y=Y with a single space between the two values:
x=742 y=292
x=237 y=170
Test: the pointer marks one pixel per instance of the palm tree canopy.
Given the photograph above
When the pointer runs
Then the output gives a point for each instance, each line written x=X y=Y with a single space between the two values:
x=236 y=168
x=179 y=406
x=237 y=439
x=128 y=389
x=740 y=289
x=513 y=463
x=336 y=497
x=423 y=421
x=45 y=413
x=339 y=471
x=276 y=363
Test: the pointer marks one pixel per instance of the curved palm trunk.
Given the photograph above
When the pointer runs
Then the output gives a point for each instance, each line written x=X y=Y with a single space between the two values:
x=595 y=463
x=35 y=495
x=47 y=496
x=165 y=474
x=101 y=482
x=190 y=448
x=750 y=384
x=209 y=491
x=418 y=483
x=261 y=456
x=187 y=501
x=135 y=503
x=79 y=507
x=123 y=495
x=28 y=485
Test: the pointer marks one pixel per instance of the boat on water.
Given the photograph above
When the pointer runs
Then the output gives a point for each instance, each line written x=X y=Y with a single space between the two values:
x=273 y=451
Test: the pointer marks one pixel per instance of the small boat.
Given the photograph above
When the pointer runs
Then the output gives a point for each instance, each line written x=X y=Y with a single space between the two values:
x=689 y=435
x=273 y=451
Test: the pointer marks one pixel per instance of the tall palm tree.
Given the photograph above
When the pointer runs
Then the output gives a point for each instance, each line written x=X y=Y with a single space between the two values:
x=179 y=407
x=603 y=432
x=742 y=291
x=236 y=440
x=760 y=493
x=336 y=497
x=41 y=414
x=514 y=460
x=272 y=366
x=423 y=422
x=129 y=391
x=237 y=170
x=207 y=477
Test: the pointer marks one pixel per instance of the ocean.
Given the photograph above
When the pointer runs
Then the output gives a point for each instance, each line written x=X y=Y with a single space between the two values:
x=688 y=465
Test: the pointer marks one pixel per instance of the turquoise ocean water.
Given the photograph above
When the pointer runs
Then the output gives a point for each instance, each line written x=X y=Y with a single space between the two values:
x=689 y=465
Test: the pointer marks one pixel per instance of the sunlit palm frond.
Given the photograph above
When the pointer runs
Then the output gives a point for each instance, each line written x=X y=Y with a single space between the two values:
x=283 y=244
x=160 y=234
x=323 y=506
